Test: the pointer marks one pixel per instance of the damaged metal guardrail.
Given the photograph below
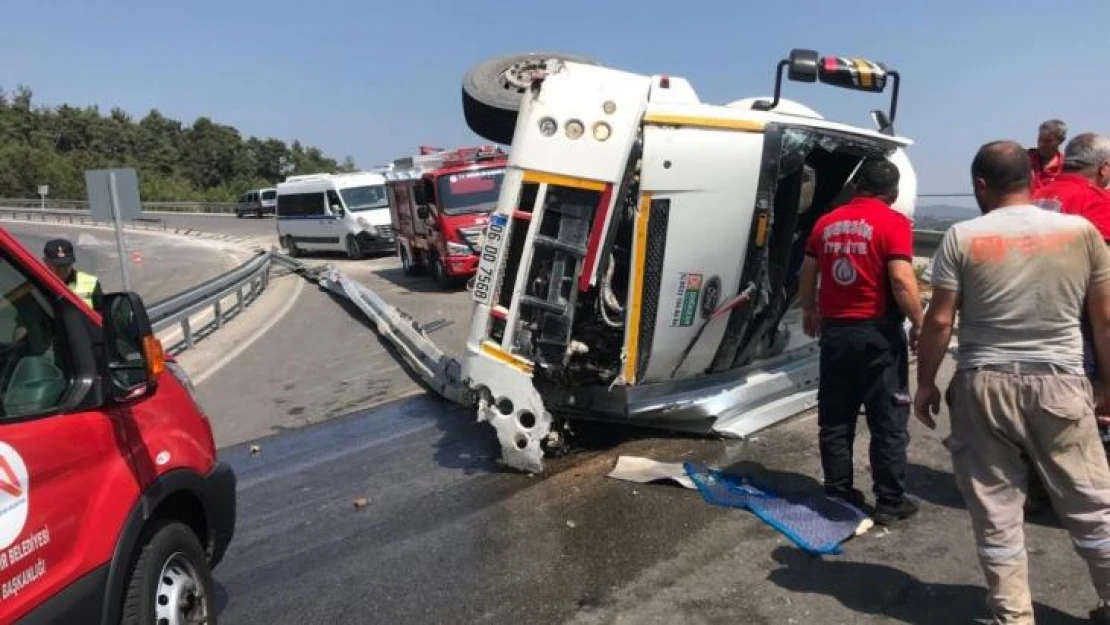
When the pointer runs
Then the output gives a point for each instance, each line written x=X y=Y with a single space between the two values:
x=437 y=370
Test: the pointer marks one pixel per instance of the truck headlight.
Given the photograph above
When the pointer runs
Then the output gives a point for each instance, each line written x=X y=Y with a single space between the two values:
x=457 y=249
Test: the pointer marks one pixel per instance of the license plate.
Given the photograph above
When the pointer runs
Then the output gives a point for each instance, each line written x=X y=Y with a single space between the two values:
x=491 y=246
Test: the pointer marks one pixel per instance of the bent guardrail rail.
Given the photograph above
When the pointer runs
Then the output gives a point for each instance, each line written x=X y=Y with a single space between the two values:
x=436 y=369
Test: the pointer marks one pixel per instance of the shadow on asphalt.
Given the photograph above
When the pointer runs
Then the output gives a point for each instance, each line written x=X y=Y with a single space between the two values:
x=881 y=590
x=420 y=283
x=939 y=488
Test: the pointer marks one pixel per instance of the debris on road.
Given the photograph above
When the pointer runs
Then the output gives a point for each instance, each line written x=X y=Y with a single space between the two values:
x=814 y=522
x=361 y=503
x=255 y=450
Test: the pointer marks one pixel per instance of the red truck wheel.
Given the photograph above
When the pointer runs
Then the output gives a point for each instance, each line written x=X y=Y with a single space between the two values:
x=492 y=90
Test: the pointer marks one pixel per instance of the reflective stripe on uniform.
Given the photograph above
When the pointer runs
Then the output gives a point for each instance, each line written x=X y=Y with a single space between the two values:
x=1000 y=554
x=1091 y=543
x=85 y=286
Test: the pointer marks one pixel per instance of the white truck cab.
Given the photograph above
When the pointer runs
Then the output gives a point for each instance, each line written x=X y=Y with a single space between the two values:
x=642 y=262
x=334 y=212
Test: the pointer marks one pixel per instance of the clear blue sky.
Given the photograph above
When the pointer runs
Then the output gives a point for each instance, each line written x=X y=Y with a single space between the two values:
x=376 y=79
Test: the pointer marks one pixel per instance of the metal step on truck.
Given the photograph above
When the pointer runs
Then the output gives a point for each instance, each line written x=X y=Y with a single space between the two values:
x=641 y=264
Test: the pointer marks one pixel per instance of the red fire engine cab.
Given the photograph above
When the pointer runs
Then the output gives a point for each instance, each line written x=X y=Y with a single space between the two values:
x=440 y=203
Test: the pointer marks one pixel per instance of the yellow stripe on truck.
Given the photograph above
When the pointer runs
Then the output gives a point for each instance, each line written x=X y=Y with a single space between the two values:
x=636 y=289
x=500 y=355
x=563 y=181
x=864 y=72
x=663 y=119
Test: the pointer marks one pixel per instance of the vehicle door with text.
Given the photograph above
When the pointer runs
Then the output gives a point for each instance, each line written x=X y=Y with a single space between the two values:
x=66 y=483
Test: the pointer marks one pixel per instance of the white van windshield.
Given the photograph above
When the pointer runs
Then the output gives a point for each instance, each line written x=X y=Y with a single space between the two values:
x=364 y=198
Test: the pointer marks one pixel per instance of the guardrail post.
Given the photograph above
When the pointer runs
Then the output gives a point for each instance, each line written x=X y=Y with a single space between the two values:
x=219 y=314
x=187 y=330
x=239 y=300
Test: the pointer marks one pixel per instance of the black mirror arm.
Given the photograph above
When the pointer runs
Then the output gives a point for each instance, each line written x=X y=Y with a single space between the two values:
x=764 y=105
x=893 y=96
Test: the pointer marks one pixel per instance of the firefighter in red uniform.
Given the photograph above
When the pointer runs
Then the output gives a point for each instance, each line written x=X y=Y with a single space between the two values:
x=863 y=253
x=1081 y=189
x=1045 y=159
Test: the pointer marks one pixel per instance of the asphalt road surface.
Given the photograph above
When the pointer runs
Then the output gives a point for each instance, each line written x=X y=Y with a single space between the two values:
x=161 y=266
x=226 y=224
x=323 y=360
x=403 y=515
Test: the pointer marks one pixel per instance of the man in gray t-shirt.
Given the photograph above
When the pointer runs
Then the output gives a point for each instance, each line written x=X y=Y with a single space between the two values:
x=1022 y=274
x=1019 y=278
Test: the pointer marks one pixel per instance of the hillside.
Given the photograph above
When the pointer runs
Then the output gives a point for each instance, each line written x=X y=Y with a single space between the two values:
x=941 y=216
x=205 y=161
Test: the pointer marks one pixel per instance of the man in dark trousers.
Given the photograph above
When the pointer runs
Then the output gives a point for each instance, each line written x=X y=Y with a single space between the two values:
x=863 y=253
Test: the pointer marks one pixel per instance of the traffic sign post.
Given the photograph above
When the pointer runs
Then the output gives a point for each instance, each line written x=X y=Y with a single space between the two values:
x=44 y=190
x=114 y=195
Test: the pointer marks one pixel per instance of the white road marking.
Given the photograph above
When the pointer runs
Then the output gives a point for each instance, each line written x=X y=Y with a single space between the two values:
x=242 y=346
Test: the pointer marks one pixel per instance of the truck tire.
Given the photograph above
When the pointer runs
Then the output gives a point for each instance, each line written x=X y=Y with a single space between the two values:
x=354 y=248
x=291 y=245
x=439 y=273
x=408 y=267
x=491 y=91
x=170 y=580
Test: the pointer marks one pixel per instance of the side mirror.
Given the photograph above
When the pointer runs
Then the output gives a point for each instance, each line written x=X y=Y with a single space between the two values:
x=802 y=65
x=856 y=74
x=337 y=210
x=133 y=357
x=422 y=212
x=418 y=196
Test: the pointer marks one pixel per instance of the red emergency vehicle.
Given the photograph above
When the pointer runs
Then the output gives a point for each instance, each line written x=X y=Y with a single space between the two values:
x=113 y=506
x=440 y=203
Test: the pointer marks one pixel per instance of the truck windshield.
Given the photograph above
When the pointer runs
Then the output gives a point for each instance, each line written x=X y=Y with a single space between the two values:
x=469 y=192
x=364 y=198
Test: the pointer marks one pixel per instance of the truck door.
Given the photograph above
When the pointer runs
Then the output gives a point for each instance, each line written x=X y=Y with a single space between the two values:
x=66 y=483
x=419 y=225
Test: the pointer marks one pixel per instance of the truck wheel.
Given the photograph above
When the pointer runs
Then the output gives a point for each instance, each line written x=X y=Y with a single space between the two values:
x=492 y=90
x=439 y=273
x=170 y=581
x=407 y=266
x=354 y=248
x=291 y=246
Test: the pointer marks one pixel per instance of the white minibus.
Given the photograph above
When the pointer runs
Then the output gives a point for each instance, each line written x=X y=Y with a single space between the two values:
x=334 y=212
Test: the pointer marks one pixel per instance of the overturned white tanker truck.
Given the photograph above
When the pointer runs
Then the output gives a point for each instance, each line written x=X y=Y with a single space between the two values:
x=642 y=263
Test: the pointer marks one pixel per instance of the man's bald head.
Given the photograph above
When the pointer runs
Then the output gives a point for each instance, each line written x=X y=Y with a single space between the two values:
x=1001 y=175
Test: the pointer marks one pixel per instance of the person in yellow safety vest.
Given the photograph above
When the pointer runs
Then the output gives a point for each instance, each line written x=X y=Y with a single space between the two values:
x=59 y=257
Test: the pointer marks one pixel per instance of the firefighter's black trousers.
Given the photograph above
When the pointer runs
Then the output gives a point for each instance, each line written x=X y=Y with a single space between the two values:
x=864 y=363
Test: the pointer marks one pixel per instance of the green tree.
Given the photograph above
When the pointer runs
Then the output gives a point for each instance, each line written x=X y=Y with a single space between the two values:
x=202 y=161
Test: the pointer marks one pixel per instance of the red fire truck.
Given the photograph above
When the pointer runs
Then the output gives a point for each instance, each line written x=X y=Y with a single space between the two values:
x=440 y=202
